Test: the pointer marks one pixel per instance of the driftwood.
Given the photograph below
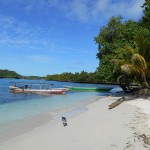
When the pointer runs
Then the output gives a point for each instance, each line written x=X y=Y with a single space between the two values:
x=119 y=101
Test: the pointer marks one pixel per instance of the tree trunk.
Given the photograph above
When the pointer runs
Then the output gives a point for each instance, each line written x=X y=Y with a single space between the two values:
x=145 y=81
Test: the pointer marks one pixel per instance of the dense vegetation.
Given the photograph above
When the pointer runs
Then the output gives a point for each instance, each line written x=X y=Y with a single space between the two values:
x=124 y=49
x=12 y=74
x=82 y=77
x=33 y=77
x=9 y=74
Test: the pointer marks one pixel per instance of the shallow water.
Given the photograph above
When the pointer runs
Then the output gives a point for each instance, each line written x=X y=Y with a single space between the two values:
x=15 y=107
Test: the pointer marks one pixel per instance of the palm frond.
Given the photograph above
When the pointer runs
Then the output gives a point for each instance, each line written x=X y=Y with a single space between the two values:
x=128 y=69
x=138 y=61
x=118 y=61
x=128 y=51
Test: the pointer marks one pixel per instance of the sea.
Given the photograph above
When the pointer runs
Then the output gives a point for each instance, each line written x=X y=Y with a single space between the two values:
x=15 y=107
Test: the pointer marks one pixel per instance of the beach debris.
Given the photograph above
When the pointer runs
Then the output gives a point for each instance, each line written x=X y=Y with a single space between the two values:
x=119 y=101
x=64 y=121
x=145 y=138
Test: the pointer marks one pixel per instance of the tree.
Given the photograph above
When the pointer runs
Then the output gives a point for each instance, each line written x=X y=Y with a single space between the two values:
x=143 y=43
x=134 y=65
x=146 y=17
x=111 y=39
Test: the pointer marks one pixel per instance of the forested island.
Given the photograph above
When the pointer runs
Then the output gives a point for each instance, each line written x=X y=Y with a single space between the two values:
x=82 y=77
x=9 y=74
x=12 y=74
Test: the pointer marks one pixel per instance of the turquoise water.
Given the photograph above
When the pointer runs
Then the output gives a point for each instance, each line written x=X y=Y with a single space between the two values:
x=15 y=107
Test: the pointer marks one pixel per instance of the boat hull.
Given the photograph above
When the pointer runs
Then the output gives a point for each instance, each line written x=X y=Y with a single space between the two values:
x=100 y=89
x=39 y=91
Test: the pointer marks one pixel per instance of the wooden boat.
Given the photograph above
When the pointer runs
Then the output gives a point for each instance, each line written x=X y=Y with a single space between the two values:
x=27 y=88
x=100 y=89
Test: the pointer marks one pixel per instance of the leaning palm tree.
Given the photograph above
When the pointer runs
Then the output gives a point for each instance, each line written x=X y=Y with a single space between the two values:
x=133 y=64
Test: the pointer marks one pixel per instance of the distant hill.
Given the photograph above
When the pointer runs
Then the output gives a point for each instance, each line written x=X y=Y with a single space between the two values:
x=12 y=74
x=34 y=77
x=9 y=74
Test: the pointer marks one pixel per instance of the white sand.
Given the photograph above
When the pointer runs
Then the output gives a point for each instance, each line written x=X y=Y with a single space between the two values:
x=144 y=107
x=143 y=104
x=97 y=128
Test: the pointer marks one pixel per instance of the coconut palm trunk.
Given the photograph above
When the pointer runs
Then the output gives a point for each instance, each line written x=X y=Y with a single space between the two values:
x=146 y=85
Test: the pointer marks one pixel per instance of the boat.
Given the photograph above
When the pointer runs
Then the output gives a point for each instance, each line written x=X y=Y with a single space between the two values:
x=99 y=89
x=20 y=87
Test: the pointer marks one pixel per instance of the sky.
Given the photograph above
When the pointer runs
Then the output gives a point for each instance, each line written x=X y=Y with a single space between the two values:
x=41 y=37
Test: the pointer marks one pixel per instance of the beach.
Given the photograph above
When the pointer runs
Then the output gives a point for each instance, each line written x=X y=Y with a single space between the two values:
x=94 y=128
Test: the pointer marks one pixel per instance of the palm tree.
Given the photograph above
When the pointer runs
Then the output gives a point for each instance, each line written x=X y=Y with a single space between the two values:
x=133 y=64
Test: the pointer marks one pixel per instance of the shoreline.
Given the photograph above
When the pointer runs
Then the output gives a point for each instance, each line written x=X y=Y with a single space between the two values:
x=29 y=124
x=95 y=127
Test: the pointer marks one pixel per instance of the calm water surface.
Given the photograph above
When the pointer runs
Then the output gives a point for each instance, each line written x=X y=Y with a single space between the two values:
x=15 y=107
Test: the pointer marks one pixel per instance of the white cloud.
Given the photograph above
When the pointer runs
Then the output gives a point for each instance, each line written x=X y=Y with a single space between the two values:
x=79 y=9
x=87 y=11
x=83 y=10
x=135 y=9
x=104 y=9
x=99 y=7
x=20 y=34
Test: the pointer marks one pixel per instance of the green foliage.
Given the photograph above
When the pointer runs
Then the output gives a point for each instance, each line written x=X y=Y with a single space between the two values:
x=34 y=77
x=105 y=71
x=111 y=40
x=118 y=41
x=146 y=17
x=9 y=74
x=82 y=77
x=143 y=42
x=12 y=74
x=133 y=65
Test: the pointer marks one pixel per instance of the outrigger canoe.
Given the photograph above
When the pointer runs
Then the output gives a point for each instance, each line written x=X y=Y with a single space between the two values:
x=27 y=89
x=100 y=89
